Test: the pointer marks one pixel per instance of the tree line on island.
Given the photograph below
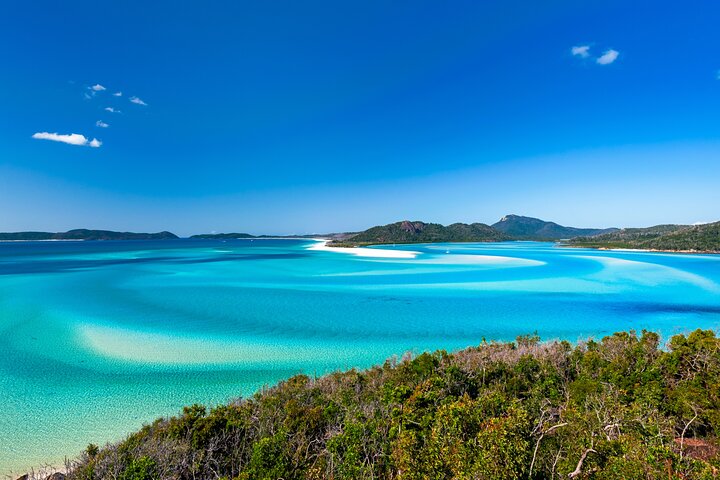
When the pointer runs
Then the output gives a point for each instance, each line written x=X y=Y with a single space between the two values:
x=85 y=234
x=681 y=238
x=623 y=407
x=690 y=238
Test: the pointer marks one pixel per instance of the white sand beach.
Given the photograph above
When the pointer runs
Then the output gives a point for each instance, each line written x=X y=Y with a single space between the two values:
x=322 y=244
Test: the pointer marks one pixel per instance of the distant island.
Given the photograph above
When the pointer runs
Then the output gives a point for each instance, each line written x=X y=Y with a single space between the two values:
x=84 y=234
x=528 y=228
x=222 y=236
x=671 y=237
x=676 y=238
x=247 y=236
x=421 y=232
x=510 y=227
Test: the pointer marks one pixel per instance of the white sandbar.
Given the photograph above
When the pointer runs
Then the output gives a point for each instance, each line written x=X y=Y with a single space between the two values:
x=322 y=244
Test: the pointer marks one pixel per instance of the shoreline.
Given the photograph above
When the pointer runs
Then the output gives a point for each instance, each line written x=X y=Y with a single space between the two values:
x=644 y=250
x=46 y=240
x=386 y=252
x=321 y=244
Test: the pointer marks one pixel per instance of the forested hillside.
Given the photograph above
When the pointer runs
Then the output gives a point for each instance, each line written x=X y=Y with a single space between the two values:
x=421 y=232
x=529 y=228
x=700 y=238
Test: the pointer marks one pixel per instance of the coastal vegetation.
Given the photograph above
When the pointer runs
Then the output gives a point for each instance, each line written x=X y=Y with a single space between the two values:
x=85 y=234
x=626 y=406
x=699 y=238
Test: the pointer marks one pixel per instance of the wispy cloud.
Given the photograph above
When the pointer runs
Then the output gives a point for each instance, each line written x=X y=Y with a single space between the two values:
x=608 y=57
x=101 y=124
x=112 y=110
x=582 y=51
x=98 y=88
x=70 y=139
x=137 y=101
x=117 y=94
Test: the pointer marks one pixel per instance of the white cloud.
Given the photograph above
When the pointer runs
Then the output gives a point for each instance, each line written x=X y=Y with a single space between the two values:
x=101 y=124
x=112 y=110
x=97 y=88
x=137 y=101
x=117 y=94
x=608 y=57
x=71 y=139
x=582 y=51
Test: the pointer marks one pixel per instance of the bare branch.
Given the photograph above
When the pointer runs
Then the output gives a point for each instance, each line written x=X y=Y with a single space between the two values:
x=682 y=436
x=578 y=469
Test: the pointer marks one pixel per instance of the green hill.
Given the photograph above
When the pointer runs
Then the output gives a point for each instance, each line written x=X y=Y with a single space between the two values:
x=700 y=238
x=84 y=234
x=705 y=238
x=624 y=407
x=420 y=232
x=528 y=228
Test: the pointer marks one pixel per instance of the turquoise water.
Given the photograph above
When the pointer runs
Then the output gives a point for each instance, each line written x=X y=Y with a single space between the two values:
x=97 y=338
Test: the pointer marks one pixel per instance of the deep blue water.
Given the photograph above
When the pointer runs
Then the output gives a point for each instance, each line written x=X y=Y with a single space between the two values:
x=97 y=338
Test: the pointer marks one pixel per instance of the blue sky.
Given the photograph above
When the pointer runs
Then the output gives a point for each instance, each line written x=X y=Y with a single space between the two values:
x=300 y=117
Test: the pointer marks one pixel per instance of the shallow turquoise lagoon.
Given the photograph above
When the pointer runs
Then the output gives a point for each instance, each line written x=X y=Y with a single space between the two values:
x=97 y=338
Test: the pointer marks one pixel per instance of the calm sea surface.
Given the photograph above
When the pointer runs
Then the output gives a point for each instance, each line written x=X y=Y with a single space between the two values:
x=97 y=338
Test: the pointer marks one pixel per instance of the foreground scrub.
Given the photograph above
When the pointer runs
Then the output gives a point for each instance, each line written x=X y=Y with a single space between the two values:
x=621 y=408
